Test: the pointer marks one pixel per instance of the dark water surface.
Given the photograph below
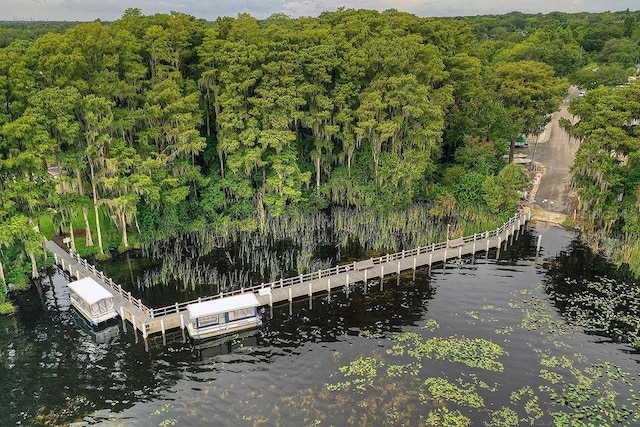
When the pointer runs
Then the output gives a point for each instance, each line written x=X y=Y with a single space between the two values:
x=53 y=371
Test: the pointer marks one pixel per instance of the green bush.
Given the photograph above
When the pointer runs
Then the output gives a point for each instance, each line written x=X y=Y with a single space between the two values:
x=6 y=308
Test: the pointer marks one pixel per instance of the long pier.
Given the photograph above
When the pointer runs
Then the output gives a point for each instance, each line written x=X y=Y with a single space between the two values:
x=149 y=320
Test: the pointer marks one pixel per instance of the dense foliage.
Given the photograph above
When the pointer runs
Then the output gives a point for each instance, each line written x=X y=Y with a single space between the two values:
x=151 y=126
x=606 y=170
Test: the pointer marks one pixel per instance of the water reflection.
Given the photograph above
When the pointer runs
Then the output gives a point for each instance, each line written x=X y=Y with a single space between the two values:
x=55 y=372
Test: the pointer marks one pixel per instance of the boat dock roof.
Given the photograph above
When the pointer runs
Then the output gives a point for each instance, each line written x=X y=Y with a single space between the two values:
x=223 y=305
x=89 y=290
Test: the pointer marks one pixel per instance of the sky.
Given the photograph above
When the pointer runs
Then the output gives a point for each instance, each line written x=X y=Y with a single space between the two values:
x=109 y=10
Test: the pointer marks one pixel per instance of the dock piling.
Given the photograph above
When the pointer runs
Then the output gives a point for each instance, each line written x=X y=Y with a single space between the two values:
x=444 y=261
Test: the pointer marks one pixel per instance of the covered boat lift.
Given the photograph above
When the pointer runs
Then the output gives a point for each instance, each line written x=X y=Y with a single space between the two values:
x=92 y=301
x=222 y=316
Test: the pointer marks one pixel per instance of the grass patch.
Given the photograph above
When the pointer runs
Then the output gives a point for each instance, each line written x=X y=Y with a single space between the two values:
x=7 y=308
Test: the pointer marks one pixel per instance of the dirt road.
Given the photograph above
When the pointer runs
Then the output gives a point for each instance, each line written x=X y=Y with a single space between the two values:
x=551 y=199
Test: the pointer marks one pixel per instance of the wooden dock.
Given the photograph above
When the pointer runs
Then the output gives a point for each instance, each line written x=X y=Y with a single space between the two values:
x=149 y=320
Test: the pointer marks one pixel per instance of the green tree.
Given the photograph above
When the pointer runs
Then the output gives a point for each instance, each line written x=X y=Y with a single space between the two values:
x=502 y=192
x=530 y=92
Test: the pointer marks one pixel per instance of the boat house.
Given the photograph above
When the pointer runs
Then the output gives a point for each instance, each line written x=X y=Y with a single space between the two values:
x=92 y=301
x=222 y=316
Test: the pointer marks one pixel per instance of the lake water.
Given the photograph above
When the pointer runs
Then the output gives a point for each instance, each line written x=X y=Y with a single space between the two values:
x=480 y=340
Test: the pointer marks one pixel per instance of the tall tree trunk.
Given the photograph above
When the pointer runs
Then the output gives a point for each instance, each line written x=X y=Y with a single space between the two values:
x=260 y=203
x=123 y=219
x=71 y=235
x=318 y=170
x=34 y=265
x=89 y=238
x=207 y=100
x=85 y=212
x=216 y=111
x=95 y=208
x=2 y=279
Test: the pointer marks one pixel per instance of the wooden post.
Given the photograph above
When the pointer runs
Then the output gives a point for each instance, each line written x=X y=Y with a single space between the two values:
x=122 y=316
x=129 y=297
x=459 y=252
x=163 y=332
x=486 y=252
x=177 y=308
x=329 y=287
x=347 y=286
x=133 y=322
x=444 y=260
x=310 y=296
x=381 y=277
x=271 y=304
x=430 y=260
x=290 y=303
x=538 y=244
x=182 y=321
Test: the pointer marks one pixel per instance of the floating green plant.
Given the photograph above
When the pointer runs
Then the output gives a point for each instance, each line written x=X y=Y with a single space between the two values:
x=474 y=352
x=441 y=390
x=443 y=417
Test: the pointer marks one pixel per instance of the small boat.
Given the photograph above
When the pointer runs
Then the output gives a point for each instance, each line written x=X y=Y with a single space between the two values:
x=92 y=301
x=223 y=316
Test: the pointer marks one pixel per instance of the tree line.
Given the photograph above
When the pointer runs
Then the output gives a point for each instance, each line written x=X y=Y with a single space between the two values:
x=150 y=126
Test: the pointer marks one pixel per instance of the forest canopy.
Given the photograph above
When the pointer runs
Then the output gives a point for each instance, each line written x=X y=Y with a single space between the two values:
x=150 y=126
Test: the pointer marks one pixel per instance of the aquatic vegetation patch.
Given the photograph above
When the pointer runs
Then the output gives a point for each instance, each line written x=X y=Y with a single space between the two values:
x=441 y=390
x=444 y=417
x=536 y=316
x=362 y=372
x=473 y=352
x=590 y=394
x=605 y=306
x=431 y=325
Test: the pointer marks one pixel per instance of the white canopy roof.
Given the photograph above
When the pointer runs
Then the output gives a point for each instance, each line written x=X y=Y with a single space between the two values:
x=89 y=290
x=223 y=305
